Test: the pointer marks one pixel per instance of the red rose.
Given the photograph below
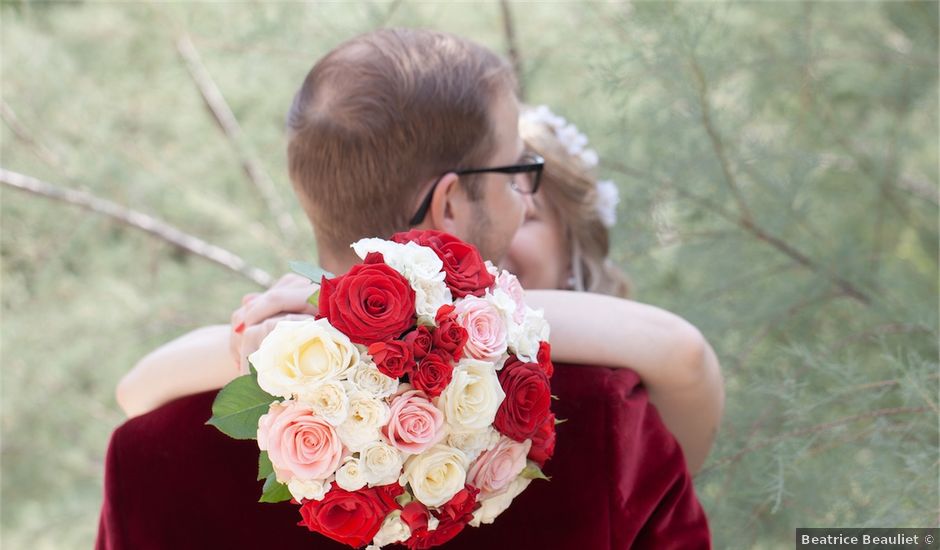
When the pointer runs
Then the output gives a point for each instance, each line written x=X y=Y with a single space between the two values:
x=393 y=358
x=351 y=518
x=543 y=442
x=544 y=358
x=446 y=530
x=433 y=373
x=528 y=397
x=444 y=312
x=387 y=495
x=450 y=337
x=420 y=341
x=464 y=268
x=453 y=517
x=370 y=303
x=415 y=515
x=460 y=506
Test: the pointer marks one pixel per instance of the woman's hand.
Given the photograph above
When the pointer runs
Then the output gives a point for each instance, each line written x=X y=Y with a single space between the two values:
x=259 y=313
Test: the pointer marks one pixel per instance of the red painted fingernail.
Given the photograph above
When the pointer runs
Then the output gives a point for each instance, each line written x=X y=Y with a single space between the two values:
x=240 y=328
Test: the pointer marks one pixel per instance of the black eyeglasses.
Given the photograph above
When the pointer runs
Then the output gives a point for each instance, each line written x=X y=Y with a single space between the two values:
x=530 y=163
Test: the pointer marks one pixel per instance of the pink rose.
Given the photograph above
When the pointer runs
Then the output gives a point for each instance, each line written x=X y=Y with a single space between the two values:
x=508 y=283
x=494 y=470
x=414 y=424
x=485 y=328
x=299 y=443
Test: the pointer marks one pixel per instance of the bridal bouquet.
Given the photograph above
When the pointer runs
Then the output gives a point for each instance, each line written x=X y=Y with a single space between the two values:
x=416 y=402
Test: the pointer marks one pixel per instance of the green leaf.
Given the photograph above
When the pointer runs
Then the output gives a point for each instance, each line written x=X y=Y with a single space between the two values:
x=404 y=499
x=265 y=468
x=309 y=270
x=556 y=398
x=314 y=299
x=274 y=490
x=532 y=471
x=238 y=407
x=560 y=421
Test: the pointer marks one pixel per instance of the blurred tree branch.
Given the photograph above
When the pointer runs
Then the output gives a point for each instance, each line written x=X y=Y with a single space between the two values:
x=24 y=135
x=749 y=226
x=137 y=220
x=515 y=56
x=226 y=120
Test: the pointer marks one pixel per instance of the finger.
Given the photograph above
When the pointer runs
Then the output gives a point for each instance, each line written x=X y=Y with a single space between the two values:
x=235 y=346
x=291 y=280
x=279 y=301
x=247 y=298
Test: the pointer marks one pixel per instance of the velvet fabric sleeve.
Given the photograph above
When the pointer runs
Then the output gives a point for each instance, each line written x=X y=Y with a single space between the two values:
x=618 y=480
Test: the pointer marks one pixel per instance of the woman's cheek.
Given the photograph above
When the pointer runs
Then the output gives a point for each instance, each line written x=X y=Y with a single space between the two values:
x=531 y=255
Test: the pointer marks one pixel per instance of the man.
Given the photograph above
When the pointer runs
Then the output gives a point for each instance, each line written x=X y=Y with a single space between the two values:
x=398 y=129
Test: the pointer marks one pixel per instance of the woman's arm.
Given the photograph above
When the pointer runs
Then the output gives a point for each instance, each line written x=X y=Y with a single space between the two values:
x=674 y=361
x=195 y=362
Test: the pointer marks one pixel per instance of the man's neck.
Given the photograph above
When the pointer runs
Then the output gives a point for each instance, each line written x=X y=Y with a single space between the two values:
x=337 y=264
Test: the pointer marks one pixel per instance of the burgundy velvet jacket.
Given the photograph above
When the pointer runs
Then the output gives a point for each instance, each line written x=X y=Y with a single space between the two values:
x=618 y=480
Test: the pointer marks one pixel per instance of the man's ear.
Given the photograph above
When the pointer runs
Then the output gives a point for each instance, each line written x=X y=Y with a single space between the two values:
x=448 y=203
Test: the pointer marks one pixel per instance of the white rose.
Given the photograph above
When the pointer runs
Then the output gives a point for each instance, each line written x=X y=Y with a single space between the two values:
x=525 y=337
x=350 y=475
x=314 y=489
x=393 y=530
x=473 y=396
x=423 y=263
x=410 y=259
x=492 y=269
x=327 y=399
x=436 y=475
x=475 y=442
x=496 y=505
x=381 y=463
x=297 y=354
x=366 y=416
x=367 y=378
x=392 y=253
x=429 y=297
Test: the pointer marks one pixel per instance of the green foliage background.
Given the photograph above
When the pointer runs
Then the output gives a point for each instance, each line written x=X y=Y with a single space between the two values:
x=778 y=166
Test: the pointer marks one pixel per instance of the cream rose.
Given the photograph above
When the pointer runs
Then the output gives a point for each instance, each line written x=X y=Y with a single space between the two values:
x=299 y=353
x=366 y=417
x=475 y=442
x=496 y=468
x=299 y=443
x=393 y=530
x=350 y=475
x=381 y=463
x=366 y=377
x=486 y=328
x=496 y=505
x=328 y=400
x=436 y=475
x=314 y=489
x=473 y=396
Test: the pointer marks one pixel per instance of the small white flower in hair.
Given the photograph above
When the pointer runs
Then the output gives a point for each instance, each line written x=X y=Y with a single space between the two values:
x=576 y=144
x=608 y=196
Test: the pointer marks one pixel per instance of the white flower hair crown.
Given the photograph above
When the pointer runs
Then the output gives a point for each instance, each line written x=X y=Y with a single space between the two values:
x=576 y=144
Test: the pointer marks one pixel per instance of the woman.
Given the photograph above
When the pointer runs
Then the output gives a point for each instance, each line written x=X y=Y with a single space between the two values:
x=562 y=245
